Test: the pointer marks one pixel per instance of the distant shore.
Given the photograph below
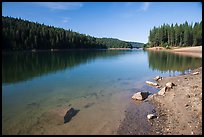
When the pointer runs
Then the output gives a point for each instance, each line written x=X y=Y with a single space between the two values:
x=187 y=51
x=119 y=48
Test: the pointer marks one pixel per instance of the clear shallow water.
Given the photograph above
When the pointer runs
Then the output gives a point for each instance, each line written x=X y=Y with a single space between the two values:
x=37 y=88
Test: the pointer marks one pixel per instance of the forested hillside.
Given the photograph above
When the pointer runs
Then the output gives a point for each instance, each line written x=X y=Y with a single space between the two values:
x=176 y=35
x=137 y=44
x=20 y=34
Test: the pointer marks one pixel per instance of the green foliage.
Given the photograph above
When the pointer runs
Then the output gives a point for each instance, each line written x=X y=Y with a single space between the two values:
x=167 y=47
x=20 y=34
x=147 y=45
x=137 y=44
x=176 y=35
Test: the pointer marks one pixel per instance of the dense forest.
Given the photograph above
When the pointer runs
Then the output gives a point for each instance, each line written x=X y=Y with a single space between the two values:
x=20 y=34
x=176 y=35
x=137 y=44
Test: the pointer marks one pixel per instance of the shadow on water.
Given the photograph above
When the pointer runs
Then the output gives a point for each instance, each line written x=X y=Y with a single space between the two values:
x=165 y=61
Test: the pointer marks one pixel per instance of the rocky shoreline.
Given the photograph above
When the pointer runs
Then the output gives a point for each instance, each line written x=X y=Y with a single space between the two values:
x=178 y=110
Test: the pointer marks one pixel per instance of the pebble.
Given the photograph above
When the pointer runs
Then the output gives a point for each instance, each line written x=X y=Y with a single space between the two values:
x=188 y=96
x=186 y=105
x=196 y=95
x=196 y=73
x=151 y=116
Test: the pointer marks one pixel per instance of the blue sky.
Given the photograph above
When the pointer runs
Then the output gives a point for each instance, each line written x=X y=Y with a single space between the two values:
x=129 y=21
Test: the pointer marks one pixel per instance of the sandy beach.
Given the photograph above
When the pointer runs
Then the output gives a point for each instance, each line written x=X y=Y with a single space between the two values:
x=187 y=51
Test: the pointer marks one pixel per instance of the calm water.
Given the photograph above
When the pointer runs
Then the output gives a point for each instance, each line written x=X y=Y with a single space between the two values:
x=38 y=88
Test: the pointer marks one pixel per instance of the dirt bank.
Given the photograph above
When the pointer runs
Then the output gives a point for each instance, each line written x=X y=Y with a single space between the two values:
x=180 y=109
x=187 y=51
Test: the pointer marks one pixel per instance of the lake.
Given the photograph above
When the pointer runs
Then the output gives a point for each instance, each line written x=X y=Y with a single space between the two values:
x=39 y=87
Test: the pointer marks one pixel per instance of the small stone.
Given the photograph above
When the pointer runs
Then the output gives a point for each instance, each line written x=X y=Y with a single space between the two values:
x=188 y=96
x=186 y=105
x=196 y=73
x=151 y=116
x=196 y=95
x=152 y=83
x=158 y=78
x=162 y=91
x=170 y=85
x=140 y=95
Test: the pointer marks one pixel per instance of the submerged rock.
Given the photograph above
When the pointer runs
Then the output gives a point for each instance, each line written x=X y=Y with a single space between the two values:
x=140 y=95
x=151 y=116
x=70 y=113
x=152 y=83
x=89 y=105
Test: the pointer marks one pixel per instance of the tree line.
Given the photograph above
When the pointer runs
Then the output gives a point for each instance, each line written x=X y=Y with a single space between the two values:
x=176 y=35
x=19 y=34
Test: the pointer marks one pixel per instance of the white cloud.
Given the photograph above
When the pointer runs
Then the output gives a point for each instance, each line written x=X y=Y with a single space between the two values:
x=61 y=5
x=145 y=6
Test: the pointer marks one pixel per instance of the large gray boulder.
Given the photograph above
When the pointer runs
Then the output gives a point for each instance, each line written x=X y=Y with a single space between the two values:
x=140 y=95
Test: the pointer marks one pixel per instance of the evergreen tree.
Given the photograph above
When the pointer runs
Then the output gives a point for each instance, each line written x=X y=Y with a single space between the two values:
x=20 y=34
x=176 y=35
